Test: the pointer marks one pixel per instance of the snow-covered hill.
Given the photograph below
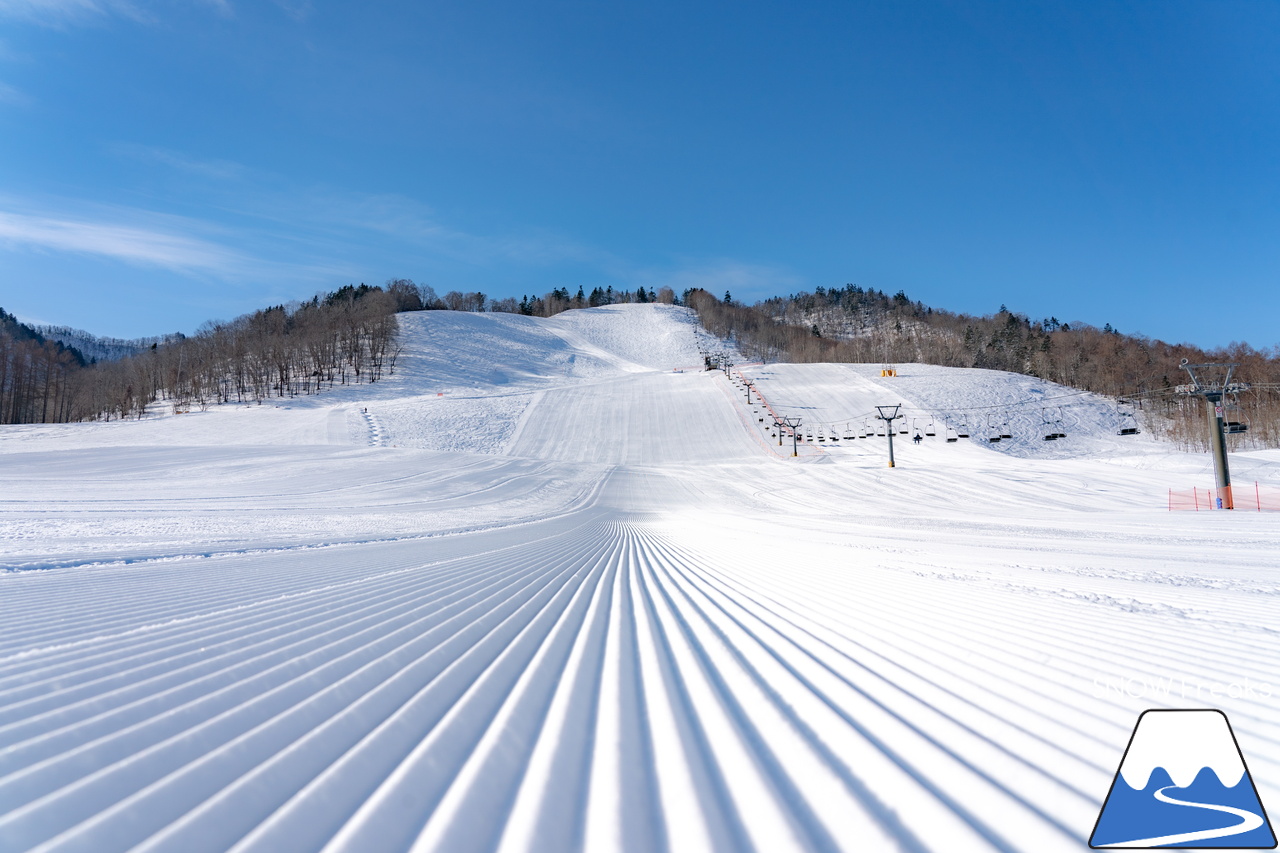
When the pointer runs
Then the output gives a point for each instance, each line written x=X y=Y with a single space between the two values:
x=552 y=587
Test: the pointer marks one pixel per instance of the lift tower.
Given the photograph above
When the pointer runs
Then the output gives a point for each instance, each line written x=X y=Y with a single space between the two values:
x=1213 y=382
x=889 y=414
x=794 y=423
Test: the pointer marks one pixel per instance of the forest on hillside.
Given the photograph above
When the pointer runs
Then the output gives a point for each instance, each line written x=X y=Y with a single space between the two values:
x=339 y=338
x=853 y=324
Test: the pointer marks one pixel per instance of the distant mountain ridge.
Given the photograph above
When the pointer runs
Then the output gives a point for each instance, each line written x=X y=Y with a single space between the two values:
x=98 y=348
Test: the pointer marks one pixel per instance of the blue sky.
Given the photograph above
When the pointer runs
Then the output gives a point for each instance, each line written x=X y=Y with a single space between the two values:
x=167 y=163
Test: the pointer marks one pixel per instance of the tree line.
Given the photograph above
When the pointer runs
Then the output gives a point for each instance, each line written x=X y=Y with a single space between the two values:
x=344 y=337
x=424 y=297
x=36 y=375
x=853 y=324
x=340 y=338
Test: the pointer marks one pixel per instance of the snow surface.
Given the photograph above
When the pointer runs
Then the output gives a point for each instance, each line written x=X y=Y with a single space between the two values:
x=539 y=591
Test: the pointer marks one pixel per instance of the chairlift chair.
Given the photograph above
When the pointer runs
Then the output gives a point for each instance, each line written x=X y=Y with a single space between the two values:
x=1128 y=421
x=930 y=430
x=963 y=430
x=848 y=432
x=952 y=435
x=993 y=434
x=1005 y=432
x=1049 y=428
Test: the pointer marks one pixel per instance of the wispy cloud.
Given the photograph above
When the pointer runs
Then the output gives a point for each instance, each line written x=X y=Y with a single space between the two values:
x=414 y=226
x=56 y=13
x=299 y=10
x=10 y=95
x=9 y=54
x=133 y=244
x=332 y=221
x=722 y=274
x=59 y=13
x=417 y=229
x=209 y=168
x=222 y=7
x=258 y=230
x=192 y=247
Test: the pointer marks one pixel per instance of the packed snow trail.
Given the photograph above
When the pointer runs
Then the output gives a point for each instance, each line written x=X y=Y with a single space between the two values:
x=629 y=625
x=417 y=703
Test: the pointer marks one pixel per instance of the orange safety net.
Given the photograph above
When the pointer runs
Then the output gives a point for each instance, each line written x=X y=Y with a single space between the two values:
x=1253 y=496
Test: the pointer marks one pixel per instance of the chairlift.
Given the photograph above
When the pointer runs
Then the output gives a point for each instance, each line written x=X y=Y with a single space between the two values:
x=930 y=430
x=963 y=430
x=1128 y=421
x=952 y=435
x=1236 y=427
x=1005 y=432
x=1051 y=430
x=848 y=432
x=993 y=432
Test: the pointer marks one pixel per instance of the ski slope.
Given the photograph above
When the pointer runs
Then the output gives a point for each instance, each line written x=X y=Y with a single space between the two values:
x=553 y=588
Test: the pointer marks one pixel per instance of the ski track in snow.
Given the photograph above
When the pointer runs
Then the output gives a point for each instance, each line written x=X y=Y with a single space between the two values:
x=601 y=611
